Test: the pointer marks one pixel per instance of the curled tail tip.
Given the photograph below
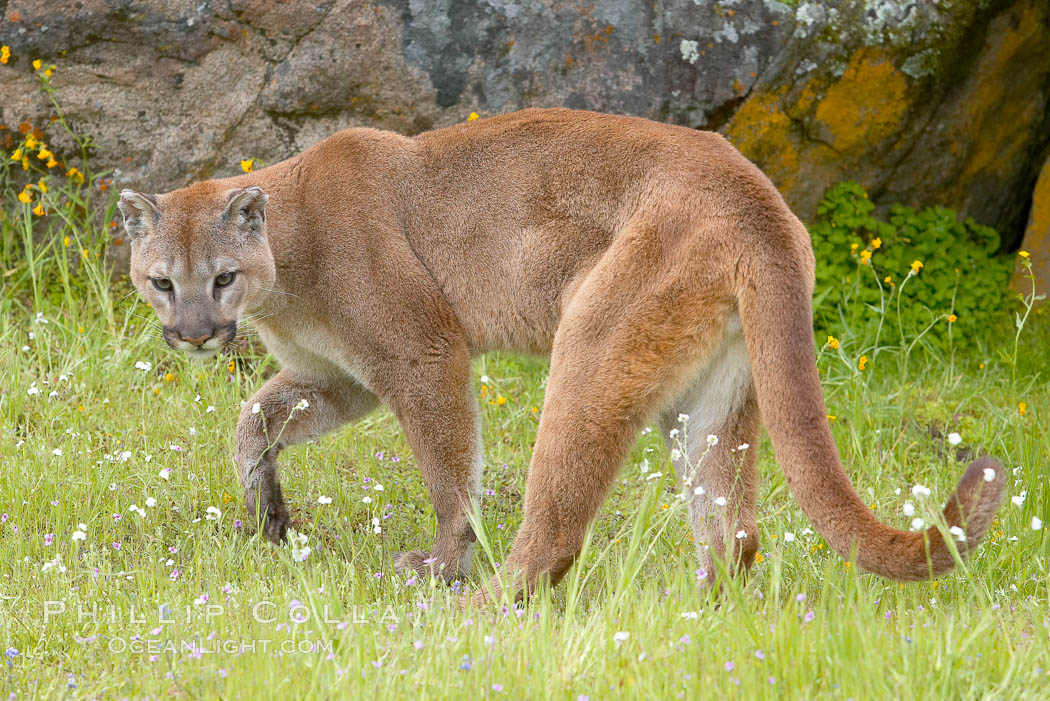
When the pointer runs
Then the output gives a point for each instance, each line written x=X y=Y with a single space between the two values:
x=922 y=555
x=977 y=498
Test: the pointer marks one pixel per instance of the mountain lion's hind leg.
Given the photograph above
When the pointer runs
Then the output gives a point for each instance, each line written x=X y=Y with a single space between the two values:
x=715 y=450
x=621 y=353
x=277 y=416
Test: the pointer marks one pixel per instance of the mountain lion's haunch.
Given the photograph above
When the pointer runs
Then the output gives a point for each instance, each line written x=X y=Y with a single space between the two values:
x=658 y=267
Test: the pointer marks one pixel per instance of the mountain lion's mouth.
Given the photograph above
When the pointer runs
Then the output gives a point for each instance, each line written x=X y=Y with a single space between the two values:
x=202 y=353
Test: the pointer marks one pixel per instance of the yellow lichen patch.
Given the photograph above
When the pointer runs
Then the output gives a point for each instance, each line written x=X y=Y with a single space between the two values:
x=761 y=130
x=868 y=104
x=994 y=110
x=1036 y=246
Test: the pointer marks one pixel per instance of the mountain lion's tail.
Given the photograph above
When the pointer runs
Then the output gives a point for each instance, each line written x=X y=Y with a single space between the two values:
x=777 y=317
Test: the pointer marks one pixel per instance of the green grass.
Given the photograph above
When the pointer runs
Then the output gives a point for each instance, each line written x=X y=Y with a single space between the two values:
x=123 y=623
x=178 y=601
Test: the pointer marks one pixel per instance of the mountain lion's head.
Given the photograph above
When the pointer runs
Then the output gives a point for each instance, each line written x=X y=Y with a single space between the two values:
x=201 y=258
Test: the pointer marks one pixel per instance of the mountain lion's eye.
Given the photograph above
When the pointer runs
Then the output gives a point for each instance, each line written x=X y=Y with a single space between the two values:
x=224 y=279
x=163 y=284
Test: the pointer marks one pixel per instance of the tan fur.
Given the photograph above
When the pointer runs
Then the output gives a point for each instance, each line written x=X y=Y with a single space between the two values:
x=659 y=268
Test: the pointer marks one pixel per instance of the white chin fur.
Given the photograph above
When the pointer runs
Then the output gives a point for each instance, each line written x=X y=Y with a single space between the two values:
x=201 y=353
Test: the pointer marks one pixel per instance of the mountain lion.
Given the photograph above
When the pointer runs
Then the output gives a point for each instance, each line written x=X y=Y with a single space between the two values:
x=659 y=268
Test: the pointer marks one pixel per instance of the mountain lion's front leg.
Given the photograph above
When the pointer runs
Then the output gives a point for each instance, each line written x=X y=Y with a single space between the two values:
x=284 y=411
x=435 y=405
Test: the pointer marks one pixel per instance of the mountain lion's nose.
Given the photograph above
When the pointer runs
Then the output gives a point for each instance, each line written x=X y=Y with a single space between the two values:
x=196 y=340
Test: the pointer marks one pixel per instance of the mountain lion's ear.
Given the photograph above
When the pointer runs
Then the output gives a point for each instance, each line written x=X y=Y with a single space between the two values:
x=247 y=208
x=139 y=210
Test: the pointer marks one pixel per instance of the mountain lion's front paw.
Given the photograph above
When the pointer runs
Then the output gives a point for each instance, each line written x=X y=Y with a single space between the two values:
x=276 y=522
x=267 y=503
x=424 y=564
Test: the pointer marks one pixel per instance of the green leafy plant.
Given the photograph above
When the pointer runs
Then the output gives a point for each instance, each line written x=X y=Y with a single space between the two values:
x=866 y=266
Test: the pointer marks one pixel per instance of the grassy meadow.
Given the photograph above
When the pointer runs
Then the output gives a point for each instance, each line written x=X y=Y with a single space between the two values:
x=129 y=568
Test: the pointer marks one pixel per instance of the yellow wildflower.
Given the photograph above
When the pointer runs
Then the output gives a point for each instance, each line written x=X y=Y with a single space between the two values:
x=168 y=377
x=39 y=209
x=75 y=174
x=759 y=558
x=865 y=256
x=846 y=564
x=42 y=184
x=226 y=498
x=44 y=154
x=473 y=116
x=831 y=418
x=1023 y=254
x=232 y=366
x=1022 y=408
x=25 y=196
x=876 y=243
x=17 y=155
x=36 y=64
x=247 y=164
x=952 y=318
x=833 y=343
x=47 y=73
x=5 y=53
x=535 y=410
x=51 y=162
x=31 y=142
x=25 y=162
x=888 y=280
x=66 y=242
x=501 y=400
x=853 y=247
x=916 y=266
x=862 y=362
